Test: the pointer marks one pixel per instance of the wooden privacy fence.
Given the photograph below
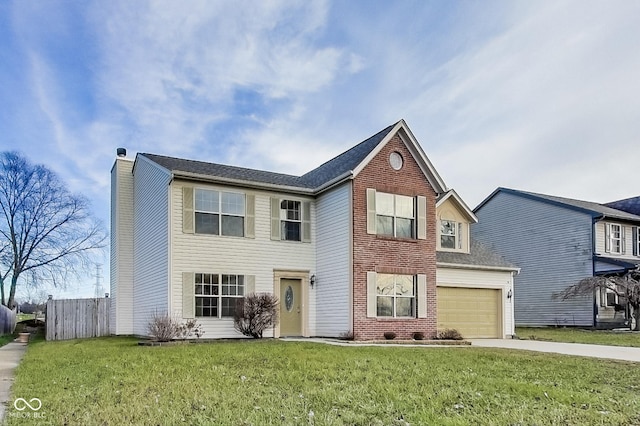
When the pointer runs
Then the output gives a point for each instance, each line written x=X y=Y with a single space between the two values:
x=77 y=318
x=7 y=320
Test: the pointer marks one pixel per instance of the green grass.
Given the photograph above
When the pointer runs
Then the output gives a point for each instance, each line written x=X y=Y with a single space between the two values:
x=22 y=317
x=6 y=339
x=575 y=335
x=112 y=381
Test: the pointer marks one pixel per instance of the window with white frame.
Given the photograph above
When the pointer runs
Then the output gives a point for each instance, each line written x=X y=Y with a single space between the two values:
x=449 y=231
x=216 y=294
x=636 y=241
x=219 y=212
x=615 y=238
x=395 y=295
x=290 y=220
x=395 y=215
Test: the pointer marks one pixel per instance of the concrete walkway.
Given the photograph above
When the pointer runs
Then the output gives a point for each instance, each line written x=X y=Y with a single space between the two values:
x=622 y=353
x=10 y=356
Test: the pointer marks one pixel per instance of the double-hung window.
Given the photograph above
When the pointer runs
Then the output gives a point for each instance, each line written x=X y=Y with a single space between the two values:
x=216 y=294
x=614 y=238
x=290 y=220
x=395 y=215
x=449 y=231
x=219 y=212
x=395 y=295
x=636 y=241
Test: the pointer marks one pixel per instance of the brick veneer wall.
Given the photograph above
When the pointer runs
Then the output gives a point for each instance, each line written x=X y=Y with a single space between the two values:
x=392 y=255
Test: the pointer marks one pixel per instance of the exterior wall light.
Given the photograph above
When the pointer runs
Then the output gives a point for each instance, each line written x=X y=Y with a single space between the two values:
x=312 y=280
x=509 y=294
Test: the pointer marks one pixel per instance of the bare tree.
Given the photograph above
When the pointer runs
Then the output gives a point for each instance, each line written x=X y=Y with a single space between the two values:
x=45 y=230
x=626 y=287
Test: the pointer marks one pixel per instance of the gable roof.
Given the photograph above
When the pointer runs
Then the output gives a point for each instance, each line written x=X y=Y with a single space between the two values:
x=629 y=205
x=344 y=166
x=461 y=204
x=479 y=256
x=595 y=210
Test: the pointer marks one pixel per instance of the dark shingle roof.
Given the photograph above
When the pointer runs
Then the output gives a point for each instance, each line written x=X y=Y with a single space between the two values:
x=589 y=207
x=629 y=205
x=479 y=255
x=332 y=169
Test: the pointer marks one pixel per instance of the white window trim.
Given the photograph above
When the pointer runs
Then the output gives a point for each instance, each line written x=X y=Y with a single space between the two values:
x=613 y=239
x=414 y=297
x=395 y=215
x=219 y=212
x=218 y=296
x=284 y=218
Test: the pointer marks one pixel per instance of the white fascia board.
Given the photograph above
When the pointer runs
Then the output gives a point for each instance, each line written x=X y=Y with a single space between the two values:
x=453 y=194
x=478 y=267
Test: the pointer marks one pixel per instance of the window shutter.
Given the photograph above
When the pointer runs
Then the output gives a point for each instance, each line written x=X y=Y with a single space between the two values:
x=372 y=300
x=623 y=243
x=188 y=295
x=306 y=222
x=607 y=238
x=275 y=218
x=635 y=240
x=371 y=211
x=187 y=210
x=459 y=235
x=422 y=296
x=422 y=217
x=250 y=216
x=249 y=284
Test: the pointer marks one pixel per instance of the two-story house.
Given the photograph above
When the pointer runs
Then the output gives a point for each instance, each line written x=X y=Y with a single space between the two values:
x=557 y=242
x=349 y=247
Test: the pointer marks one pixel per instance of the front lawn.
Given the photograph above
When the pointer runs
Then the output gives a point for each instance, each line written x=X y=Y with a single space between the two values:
x=113 y=381
x=576 y=335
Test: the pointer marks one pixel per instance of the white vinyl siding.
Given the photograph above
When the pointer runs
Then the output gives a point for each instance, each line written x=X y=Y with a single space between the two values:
x=258 y=256
x=121 y=267
x=602 y=235
x=452 y=228
x=333 y=262
x=151 y=236
x=477 y=278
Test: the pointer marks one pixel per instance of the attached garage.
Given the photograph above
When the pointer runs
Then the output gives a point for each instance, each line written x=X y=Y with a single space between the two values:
x=474 y=312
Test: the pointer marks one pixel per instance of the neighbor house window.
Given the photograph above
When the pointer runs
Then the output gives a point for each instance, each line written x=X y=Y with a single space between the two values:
x=290 y=220
x=636 y=241
x=395 y=295
x=216 y=294
x=395 y=215
x=219 y=212
x=614 y=238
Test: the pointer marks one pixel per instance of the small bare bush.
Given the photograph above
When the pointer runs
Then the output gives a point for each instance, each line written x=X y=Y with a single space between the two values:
x=255 y=313
x=346 y=335
x=389 y=335
x=449 y=334
x=162 y=327
x=418 y=335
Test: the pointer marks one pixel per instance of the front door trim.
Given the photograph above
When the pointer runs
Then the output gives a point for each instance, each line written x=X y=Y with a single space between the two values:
x=303 y=276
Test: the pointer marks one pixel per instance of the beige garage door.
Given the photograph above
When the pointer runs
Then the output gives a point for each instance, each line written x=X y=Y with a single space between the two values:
x=474 y=312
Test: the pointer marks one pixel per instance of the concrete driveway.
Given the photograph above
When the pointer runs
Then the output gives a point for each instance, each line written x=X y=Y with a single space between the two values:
x=593 y=351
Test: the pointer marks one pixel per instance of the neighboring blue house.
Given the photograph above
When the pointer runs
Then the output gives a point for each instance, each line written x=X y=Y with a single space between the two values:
x=556 y=242
x=629 y=205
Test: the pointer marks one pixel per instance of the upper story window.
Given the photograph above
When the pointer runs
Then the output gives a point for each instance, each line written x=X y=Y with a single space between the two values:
x=636 y=240
x=290 y=220
x=614 y=238
x=449 y=234
x=219 y=212
x=395 y=215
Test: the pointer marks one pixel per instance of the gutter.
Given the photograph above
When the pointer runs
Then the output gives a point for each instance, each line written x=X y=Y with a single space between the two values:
x=242 y=183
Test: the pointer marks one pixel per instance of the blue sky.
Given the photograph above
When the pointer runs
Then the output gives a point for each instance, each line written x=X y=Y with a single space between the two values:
x=539 y=96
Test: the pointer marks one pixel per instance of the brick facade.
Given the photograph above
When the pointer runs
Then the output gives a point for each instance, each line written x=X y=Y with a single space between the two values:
x=384 y=254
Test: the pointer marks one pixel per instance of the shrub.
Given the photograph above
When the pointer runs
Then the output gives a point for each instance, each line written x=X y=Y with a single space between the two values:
x=346 y=335
x=418 y=335
x=449 y=334
x=255 y=313
x=163 y=328
x=389 y=335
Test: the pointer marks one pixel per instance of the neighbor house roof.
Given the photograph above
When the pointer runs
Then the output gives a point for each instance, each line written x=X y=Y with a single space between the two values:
x=629 y=205
x=479 y=256
x=596 y=210
x=344 y=166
